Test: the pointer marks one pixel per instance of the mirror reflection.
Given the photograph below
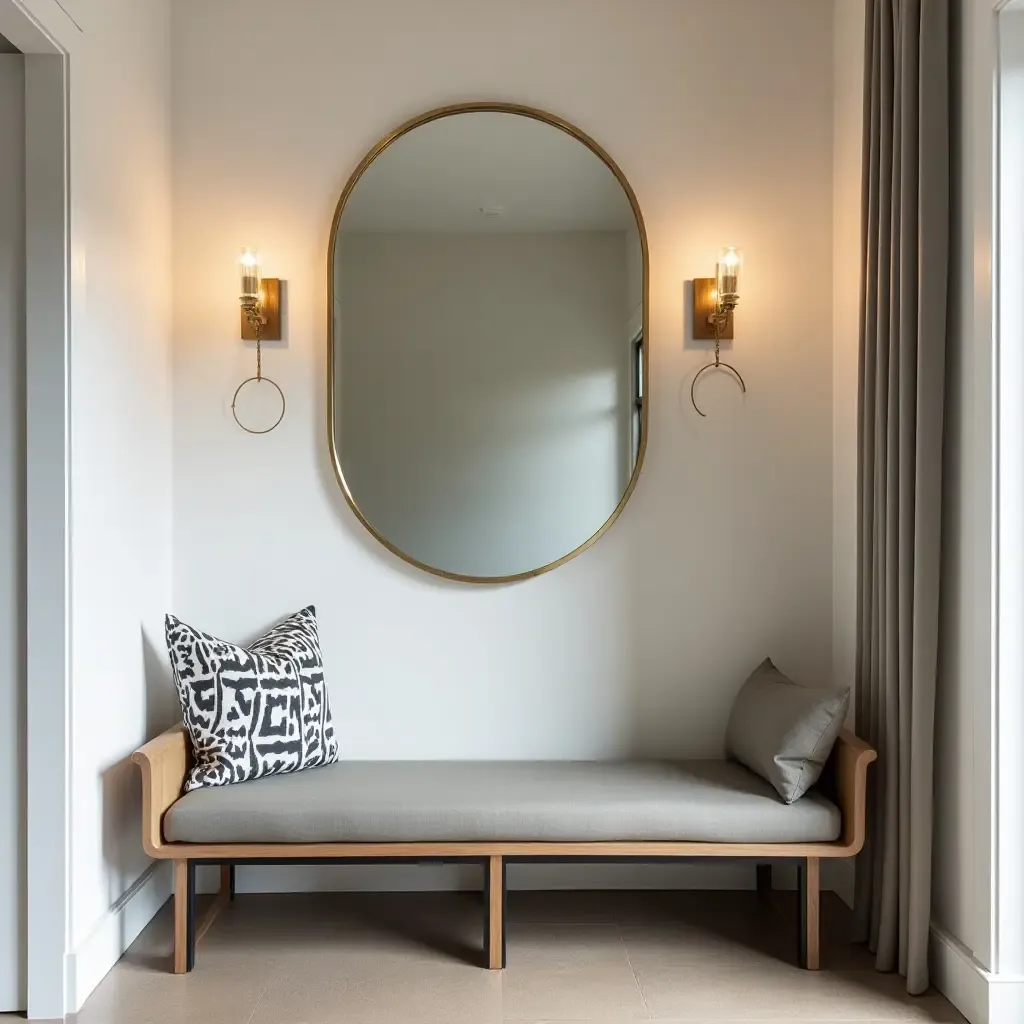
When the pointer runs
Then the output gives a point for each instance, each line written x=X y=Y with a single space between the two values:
x=487 y=349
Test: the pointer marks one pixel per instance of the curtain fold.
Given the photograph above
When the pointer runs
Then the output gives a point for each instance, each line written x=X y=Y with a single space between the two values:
x=904 y=299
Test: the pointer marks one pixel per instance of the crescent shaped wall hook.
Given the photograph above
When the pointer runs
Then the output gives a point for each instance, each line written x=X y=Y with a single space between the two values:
x=718 y=364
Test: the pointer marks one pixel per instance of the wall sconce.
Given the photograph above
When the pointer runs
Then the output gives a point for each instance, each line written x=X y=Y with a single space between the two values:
x=260 y=300
x=714 y=301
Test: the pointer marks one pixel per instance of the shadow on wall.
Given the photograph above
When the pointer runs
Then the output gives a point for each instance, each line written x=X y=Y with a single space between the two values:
x=121 y=797
x=162 y=707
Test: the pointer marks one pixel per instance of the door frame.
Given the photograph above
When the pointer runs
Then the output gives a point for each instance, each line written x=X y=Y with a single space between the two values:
x=54 y=309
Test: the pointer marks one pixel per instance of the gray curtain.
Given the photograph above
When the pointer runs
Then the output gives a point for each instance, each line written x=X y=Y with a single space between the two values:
x=906 y=231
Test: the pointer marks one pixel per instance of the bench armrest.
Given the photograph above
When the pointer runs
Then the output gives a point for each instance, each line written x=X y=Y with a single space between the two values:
x=164 y=761
x=852 y=757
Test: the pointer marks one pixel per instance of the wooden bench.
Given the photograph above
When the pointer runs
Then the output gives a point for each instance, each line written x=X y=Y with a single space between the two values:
x=841 y=794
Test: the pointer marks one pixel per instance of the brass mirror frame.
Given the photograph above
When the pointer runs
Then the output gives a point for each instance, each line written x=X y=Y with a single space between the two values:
x=333 y=341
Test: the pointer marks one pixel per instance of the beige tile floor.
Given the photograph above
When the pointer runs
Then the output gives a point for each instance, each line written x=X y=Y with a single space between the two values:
x=609 y=958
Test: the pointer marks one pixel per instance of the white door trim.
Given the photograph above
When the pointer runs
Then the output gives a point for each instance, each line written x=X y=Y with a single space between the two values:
x=42 y=30
x=1008 y=872
x=47 y=499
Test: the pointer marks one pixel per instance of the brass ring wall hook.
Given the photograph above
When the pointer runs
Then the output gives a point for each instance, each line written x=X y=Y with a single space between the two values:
x=718 y=364
x=258 y=380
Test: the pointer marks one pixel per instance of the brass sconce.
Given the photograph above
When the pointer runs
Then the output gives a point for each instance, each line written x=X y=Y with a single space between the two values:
x=714 y=301
x=260 y=300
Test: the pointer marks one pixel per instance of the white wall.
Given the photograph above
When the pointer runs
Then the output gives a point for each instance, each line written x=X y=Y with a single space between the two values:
x=13 y=781
x=121 y=461
x=723 y=554
x=505 y=443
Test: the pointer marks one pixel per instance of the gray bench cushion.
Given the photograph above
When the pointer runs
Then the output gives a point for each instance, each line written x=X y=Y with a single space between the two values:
x=544 y=801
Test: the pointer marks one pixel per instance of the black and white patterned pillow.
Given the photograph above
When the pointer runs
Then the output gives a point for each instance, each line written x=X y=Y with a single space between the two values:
x=254 y=711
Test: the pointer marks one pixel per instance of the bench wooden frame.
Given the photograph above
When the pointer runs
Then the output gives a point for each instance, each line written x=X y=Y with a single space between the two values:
x=165 y=761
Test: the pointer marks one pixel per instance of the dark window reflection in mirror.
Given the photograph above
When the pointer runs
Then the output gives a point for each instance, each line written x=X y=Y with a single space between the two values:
x=638 y=394
x=487 y=347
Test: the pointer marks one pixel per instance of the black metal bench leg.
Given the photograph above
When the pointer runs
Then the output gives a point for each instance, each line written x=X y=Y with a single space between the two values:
x=190 y=947
x=231 y=881
x=487 y=906
x=764 y=879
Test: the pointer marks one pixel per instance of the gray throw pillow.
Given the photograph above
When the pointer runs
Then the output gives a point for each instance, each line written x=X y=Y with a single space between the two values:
x=782 y=731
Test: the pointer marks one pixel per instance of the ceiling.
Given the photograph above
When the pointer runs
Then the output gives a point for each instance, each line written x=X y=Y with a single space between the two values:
x=6 y=46
x=488 y=171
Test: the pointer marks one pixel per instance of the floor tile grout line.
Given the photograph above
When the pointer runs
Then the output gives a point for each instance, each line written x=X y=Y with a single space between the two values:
x=632 y=970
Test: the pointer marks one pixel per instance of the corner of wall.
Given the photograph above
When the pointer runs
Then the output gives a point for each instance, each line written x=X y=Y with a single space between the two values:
x=121 y=394
x=848 y=85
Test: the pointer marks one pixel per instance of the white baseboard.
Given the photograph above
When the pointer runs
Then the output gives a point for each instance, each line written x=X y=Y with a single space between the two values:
x=87 y=965
x=981 y=996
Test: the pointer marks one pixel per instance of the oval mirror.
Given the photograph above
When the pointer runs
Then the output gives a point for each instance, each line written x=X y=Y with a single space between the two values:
x=487 y=365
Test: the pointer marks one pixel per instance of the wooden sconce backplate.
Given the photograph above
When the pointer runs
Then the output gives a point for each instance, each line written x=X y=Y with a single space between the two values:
x=703 y=306
x=270 y=307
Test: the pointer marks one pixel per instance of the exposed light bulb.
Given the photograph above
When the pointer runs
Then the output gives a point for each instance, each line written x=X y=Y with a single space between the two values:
x=727 y=274
x=249 y=263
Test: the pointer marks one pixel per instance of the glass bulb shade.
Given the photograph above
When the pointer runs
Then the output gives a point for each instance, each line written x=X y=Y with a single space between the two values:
x=727 y=272
x=249 y=267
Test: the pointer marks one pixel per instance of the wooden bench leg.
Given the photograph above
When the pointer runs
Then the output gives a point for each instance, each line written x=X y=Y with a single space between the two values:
x=494 y=895
x=184 y=916
x=764 y=879
x=809 y=873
